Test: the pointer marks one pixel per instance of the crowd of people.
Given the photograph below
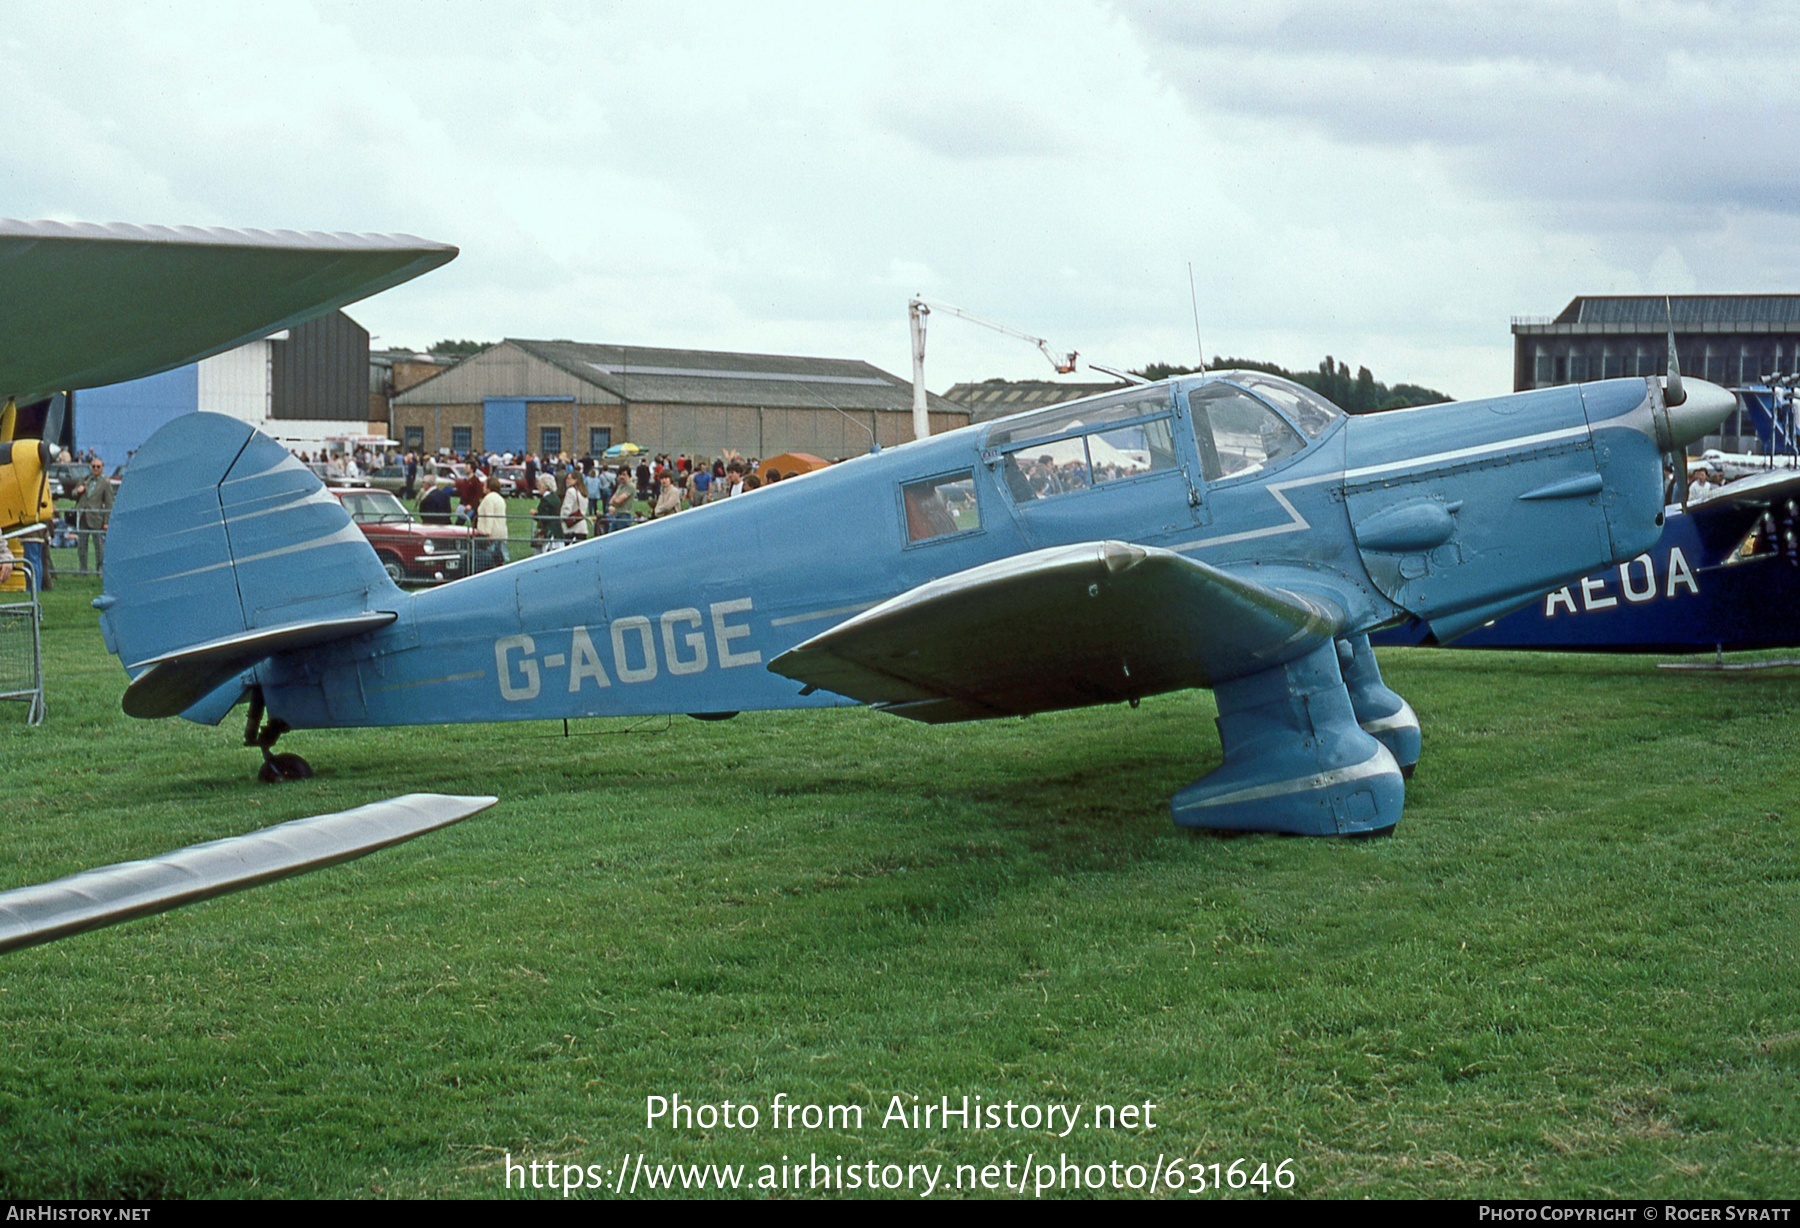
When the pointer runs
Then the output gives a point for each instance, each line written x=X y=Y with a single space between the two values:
x=574 y=499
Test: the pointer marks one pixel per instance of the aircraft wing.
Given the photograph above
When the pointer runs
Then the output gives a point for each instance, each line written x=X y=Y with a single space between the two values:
x=83 y=305
x=1066 y=627
x=1723 y=518
x=1757 y=490
x=111 y=894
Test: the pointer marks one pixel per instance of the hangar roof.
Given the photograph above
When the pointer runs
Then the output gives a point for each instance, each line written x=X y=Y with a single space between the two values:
x=996 y=398
x=646 y=375
x=1632 y=313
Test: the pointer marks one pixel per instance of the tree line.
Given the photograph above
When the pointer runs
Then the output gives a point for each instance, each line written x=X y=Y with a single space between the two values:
x=1331 y=380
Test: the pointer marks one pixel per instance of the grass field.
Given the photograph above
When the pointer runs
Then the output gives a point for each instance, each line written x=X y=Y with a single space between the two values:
x=1572 y=970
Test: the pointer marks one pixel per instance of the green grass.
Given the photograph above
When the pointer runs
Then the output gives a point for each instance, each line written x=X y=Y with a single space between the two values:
x=1570 y=972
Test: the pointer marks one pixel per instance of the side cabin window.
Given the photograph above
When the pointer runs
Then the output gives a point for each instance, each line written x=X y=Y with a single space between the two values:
x=1085 y=444
x=941 y=506
x=1237 y=433
x=1130 y=450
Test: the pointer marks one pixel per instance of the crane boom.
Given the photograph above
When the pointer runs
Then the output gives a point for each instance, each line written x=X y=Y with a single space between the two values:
x=918 y=309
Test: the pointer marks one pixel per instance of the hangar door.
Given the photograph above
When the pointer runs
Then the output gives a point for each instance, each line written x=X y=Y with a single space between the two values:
x=503 y=424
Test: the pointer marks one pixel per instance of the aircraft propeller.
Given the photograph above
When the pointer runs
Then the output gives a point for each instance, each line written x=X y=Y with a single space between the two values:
x=1674 y=394
x=54 y=414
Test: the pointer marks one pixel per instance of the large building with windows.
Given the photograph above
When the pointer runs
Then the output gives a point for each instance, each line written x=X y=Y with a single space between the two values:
x=1733 y=340
x=572 y=397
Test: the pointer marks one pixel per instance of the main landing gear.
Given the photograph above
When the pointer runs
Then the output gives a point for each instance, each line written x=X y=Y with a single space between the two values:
x=258 y=733
x=1304 y=753
x=1379 y=710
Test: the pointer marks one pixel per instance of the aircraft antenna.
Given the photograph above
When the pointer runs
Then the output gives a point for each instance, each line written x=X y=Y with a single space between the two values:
x=1194 y=299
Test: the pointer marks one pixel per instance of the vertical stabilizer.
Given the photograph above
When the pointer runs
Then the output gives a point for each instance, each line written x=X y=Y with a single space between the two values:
x=223 y=549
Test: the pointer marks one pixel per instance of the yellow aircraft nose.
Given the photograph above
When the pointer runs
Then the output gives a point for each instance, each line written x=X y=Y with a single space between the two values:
x=24 y=495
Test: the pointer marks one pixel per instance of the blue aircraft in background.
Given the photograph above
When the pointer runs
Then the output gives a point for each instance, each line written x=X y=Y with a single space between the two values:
x=1228 y=530
x=1725 y=575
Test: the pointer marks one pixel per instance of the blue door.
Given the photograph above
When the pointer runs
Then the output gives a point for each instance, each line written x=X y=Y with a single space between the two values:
x=503 y=424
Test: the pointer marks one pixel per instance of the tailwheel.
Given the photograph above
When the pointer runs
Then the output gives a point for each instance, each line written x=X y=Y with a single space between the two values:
x=263 y=735
x=277 y=768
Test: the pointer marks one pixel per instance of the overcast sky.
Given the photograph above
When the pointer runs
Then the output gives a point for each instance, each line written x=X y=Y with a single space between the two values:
x=1387 y=182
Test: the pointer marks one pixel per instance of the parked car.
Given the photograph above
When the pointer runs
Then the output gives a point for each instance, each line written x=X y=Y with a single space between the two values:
x=411 y=551
x=324 y=473
x=388 y=477
x=65 y=476
x=512 y=481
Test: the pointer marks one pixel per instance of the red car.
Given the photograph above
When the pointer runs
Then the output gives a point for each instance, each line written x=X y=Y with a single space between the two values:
x=409 y=550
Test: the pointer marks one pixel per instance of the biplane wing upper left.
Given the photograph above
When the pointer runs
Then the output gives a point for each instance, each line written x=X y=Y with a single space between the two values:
x=86 y=305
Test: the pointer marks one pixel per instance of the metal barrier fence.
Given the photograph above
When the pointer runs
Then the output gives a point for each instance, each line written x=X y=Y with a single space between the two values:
x=21 y=647
x=73 y=551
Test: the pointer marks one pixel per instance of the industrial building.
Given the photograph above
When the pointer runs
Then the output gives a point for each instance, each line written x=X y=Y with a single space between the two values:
x=578 y=398
x=1731 y=339
x=300 y=386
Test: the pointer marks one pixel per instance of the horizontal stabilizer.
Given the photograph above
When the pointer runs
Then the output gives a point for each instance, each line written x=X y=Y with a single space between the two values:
x=111 y=894
x=83 y=305
x=173 y=682
x=1065 y=627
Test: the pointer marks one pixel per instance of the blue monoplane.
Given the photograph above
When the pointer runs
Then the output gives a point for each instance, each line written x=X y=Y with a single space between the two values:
x=1228 y=530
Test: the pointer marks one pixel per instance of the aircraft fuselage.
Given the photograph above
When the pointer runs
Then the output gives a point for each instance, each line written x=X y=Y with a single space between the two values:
x=1436 y=512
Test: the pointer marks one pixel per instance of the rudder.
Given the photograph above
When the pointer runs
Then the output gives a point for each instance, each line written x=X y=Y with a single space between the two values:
x=222 y=549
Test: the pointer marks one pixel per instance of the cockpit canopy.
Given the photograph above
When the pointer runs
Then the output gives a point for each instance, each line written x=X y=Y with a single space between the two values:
x=1303 y=407
x=1243 y=421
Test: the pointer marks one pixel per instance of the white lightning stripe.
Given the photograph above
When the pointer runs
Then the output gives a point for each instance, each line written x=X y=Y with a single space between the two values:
x=348 y=533
x=1297 y=523
x=806 y=618
x=406 y=686
x=1503 y=445
x=207 y=526
x=1379 y=764
x=317 y=495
